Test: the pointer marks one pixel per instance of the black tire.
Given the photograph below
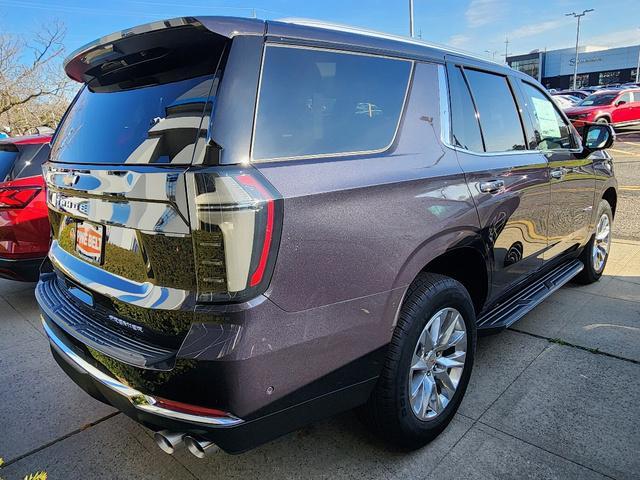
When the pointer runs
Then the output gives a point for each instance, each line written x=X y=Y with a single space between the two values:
x=589 y=274
x=388 y=410
x=602 y=120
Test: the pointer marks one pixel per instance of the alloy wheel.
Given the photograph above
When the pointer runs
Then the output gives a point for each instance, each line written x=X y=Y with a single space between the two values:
x=601 y=243
x=437 y=363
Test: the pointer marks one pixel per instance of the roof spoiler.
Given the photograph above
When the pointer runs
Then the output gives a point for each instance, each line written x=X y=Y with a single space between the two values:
x=118 y=47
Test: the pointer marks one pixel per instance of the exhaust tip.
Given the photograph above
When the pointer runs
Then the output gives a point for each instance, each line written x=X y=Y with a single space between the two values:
x=168 y=441
x=200 y=448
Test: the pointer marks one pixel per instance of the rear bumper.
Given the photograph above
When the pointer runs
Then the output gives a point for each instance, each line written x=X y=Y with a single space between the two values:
x=232 y=434
x=23 y=270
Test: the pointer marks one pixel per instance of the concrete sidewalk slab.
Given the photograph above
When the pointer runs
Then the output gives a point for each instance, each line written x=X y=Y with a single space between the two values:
x=485 y=454
x=39 y=403
x=607 y=324
x=578 y=405
x=500 y=359
x=14 y=330
x=114 y=449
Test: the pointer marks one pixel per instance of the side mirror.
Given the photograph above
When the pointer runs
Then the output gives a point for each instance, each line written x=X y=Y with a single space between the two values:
x=598 y=136
x=621 y=102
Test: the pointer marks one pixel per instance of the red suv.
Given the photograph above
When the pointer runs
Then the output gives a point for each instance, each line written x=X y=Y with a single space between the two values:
x=618 y=107
x=24 y=224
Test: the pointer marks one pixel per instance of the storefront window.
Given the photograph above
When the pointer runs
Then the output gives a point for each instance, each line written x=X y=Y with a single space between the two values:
x=530 y=67
x=582 y=80
x=606 y=78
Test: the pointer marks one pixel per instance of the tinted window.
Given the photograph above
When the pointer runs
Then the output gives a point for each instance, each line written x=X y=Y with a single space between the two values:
x=499 y=119
x=316 y=102
x=156 y=124
x=551 y=131
x=466 y=130
x=29 y=163
x=598 y=99
x=8 y=155
x=625 y=97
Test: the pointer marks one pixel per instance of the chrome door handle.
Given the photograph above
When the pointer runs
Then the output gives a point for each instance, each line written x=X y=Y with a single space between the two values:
x=491 y=186
x=558 y=173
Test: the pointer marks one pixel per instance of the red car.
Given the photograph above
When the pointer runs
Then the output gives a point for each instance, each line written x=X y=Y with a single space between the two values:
x=24 y=224
x=618 y=107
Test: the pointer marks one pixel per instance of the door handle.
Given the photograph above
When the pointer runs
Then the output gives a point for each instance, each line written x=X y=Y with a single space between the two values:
x=558 y=173
x=492 y=186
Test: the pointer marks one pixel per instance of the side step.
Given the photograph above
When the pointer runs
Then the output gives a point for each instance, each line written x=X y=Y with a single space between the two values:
x=513 y=309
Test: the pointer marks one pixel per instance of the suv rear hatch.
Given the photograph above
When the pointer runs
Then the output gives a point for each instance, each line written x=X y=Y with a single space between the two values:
x=144 y=227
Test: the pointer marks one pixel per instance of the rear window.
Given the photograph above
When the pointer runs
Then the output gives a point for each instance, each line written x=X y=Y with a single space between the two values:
x=156 y=124
x=316 y=102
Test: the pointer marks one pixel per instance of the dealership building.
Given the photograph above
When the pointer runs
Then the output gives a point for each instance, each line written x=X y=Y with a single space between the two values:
x=596 y=66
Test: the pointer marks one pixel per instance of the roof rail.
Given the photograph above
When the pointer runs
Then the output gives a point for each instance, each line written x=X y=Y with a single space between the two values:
x=308 y=22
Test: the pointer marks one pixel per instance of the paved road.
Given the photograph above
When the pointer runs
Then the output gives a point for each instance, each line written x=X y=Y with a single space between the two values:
x=626 y=153
x=556 y=397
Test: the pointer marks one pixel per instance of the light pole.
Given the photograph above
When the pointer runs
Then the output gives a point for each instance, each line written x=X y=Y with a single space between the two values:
x=575 y=66
x=411 y=18
x=638 y=65
x=492 y=53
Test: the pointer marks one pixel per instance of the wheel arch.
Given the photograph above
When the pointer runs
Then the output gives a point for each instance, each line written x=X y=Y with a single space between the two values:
x=611 y=196
x=461 y=255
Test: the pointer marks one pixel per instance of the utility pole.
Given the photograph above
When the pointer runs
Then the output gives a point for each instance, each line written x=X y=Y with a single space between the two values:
x=411 y=18
x=575 y=66
x=506 y=50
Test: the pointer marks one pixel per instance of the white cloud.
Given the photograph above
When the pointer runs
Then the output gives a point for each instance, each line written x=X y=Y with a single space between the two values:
x=619 y=38
x=536 y=29
x=483 y=12
x=458 y=40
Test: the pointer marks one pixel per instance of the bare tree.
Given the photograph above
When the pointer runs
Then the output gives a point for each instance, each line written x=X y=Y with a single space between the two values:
x=34 y=91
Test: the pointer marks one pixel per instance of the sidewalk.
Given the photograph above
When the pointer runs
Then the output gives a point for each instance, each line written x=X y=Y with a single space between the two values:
x=556 y=396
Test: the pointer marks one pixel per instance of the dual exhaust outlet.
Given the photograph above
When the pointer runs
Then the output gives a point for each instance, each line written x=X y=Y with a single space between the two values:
x=169 y=441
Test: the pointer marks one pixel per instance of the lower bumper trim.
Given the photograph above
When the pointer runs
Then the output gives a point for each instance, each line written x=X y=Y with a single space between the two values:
x=139 y=400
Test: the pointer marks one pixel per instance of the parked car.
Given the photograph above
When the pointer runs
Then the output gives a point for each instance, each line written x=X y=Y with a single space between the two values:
x=565 y=101
x=301 y=219
x=24 y=225
x=617 y=107
x=575 y=93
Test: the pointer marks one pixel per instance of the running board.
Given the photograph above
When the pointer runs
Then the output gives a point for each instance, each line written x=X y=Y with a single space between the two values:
x=516 y=307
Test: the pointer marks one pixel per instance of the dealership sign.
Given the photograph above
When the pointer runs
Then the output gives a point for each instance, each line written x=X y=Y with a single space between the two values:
x=582 y=60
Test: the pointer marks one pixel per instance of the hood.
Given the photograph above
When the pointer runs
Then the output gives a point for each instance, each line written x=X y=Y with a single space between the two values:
x=580 y=110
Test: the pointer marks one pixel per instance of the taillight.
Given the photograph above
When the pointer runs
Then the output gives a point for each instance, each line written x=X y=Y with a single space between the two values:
x=17 y=197
x=235 y=222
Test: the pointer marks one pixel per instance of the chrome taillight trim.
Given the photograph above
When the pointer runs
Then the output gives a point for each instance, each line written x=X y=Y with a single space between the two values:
x=139 y=400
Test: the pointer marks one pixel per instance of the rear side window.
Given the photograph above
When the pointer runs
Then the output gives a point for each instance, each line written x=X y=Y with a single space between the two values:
x=551 y=131
x=317 y=102
x=499 y=118
x=464 y=121
x=8 y=155
x=30 y=160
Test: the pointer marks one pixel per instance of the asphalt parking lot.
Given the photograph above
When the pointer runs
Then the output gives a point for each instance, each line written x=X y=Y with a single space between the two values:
x=556 y=396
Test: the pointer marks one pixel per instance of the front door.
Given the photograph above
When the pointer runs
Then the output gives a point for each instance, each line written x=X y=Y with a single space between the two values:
x=624 y=108
x=508 y=182
x=572 y=180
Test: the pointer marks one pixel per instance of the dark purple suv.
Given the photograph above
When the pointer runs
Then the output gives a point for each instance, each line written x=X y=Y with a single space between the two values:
x=259 y=224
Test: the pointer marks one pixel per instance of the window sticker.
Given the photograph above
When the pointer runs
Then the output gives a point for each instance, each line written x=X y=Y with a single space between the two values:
x=547 y=121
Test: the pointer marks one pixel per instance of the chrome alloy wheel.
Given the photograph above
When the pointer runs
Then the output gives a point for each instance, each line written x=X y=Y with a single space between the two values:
x=601 y=243
x=437 y=363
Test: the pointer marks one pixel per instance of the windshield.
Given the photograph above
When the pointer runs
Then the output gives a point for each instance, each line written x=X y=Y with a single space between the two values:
x=156 y=124
x=598 y=99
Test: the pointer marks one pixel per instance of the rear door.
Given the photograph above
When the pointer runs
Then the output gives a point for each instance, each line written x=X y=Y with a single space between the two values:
x=572 y=181
x=509 y=182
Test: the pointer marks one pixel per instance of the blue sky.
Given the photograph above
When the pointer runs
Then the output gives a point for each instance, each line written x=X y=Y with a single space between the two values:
x=472 y=25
